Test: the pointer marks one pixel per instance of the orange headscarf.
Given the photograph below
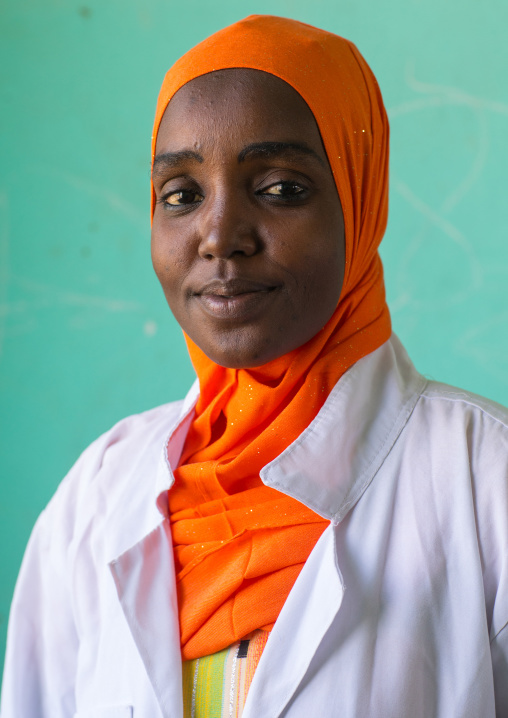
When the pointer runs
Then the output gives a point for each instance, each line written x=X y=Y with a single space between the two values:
x=239 y=545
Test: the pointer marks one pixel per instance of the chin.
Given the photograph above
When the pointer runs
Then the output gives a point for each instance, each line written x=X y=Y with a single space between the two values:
x=248 y=346
x=234 y=360
x=237 y=355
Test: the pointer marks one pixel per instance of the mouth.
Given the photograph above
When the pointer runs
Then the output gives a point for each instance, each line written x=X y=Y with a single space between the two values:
x=235 y=299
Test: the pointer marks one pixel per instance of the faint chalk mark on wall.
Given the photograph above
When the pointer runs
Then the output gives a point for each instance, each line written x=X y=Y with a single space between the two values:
x=47 y=295
x=150 y=328
x=43 y=296
x=485 y=341
x=20 y=315
x=452 y=92
x=450 y=231
x=54 y=295
x=112 y=199
x=455 y=96
x=485 y=344
x=437 y=96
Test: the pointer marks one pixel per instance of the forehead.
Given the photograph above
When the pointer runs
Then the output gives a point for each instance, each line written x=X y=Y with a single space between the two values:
x=244 y=104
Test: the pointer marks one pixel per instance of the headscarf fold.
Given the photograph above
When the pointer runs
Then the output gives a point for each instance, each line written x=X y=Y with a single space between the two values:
x=239 y=545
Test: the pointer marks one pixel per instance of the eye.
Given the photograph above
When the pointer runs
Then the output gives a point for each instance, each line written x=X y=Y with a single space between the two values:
x=181 y=198
x=285 y=190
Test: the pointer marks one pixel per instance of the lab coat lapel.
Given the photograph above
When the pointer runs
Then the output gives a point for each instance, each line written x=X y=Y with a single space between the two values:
x=145 y=582
x=317 y=595
x=144 y=577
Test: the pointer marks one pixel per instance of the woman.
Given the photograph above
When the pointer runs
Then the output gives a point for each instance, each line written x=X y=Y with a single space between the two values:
x=334 y=537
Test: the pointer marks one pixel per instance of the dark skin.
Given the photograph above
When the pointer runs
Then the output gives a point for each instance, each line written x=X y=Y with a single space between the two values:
x=248 y=231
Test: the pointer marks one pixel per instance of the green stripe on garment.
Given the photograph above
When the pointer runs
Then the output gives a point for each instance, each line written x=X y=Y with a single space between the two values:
x=203 y=686
x=216 y=686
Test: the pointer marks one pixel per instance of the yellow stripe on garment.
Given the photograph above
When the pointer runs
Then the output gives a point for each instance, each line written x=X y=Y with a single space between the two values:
x=216 y=686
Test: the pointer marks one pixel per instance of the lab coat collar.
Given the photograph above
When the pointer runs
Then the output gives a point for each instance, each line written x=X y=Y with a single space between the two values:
x=333 y=461
x=172 y=450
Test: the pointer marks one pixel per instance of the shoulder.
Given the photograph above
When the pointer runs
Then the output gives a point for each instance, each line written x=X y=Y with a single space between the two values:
x=442 y=397
x=455 y=420
x=461 y=427
x=138 y=435
x=117 y=472
x=144 y=428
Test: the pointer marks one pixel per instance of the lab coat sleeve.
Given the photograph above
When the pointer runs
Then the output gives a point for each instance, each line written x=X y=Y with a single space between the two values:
x=42 y=640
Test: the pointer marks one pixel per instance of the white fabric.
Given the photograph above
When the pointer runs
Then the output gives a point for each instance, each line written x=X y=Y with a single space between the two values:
x=401 y=609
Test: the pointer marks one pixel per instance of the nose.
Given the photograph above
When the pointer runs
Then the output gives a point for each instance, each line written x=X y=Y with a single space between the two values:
x=227 y=230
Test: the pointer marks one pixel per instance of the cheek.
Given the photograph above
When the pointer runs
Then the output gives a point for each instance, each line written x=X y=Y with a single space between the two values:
x=323 y=286
x=166 y=263
x=322 y=282
x=326 y=263
x=159 y=259
x=167 y=249
x=315 y=260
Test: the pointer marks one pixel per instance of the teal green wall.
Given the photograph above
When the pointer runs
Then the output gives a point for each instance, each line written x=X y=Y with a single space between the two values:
x=85 y=335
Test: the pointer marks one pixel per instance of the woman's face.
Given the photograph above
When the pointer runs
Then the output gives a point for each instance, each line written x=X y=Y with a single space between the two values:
x=248 y=232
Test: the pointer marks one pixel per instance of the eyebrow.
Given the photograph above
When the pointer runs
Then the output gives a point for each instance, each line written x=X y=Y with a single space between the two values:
x=167 y=160
x=277 y=149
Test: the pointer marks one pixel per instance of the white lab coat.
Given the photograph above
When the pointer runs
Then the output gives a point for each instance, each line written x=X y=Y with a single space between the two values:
x=401 y=609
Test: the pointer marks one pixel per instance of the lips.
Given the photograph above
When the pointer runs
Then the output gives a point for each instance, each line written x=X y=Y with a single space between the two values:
x=235 y=299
